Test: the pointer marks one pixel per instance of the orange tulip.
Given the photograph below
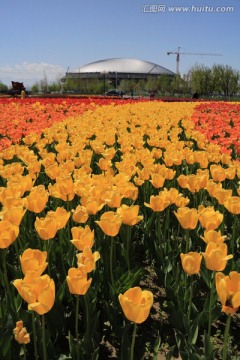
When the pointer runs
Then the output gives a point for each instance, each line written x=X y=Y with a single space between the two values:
x=20 y=333
x=38 y=292
x=136 y=304
x=110 y=223
x=228 y=290
x=77 y=281
x=191 y=262
x=187 y=217
x=33 y=261
x=216 y=257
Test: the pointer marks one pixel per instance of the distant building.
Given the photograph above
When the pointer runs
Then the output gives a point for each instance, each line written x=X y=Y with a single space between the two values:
x=118 y=69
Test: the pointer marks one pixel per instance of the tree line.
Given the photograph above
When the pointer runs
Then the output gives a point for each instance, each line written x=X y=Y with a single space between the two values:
x=216 y=81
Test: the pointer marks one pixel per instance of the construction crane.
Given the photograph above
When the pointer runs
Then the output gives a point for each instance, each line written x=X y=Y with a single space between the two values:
x=178 y=53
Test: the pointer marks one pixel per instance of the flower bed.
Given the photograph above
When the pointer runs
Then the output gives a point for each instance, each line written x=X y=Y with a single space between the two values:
x=119 y=227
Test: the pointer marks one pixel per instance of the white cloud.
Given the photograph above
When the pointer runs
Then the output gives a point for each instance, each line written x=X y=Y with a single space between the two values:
x=28 y=73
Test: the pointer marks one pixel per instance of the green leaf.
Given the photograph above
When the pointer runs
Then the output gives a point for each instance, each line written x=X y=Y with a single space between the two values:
x=170 y=353
x=128 y=280
x=6 y=343
x=125 y=346
x=208 y=348
x=156 y=347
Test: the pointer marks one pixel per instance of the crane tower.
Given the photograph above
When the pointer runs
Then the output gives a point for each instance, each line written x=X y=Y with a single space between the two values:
x=178 y=53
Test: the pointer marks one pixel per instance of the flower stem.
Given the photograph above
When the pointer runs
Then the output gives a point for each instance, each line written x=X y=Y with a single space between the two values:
x=133 y=341
x=44 y=338
x=11 y=304
x=34 y=337
x=226 y=334
x=24 y=352
x=232 y=242
x=87 y=317
x=211 y=304
x=76 y=325
x=128 y=237
x=111 y=262
x=190 y=300
x=187 y=241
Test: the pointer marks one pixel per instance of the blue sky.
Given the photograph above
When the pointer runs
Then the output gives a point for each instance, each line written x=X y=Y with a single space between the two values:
x=48 y=37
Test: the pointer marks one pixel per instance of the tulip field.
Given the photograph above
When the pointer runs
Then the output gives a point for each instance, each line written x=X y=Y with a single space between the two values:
x=119 y=229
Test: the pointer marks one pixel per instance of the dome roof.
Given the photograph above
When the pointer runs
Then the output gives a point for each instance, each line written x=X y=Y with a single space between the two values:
x=120 y=65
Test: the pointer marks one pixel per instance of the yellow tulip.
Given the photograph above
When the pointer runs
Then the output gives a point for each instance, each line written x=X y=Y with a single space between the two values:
x=228 y=290
x=129 y=214
x=158 y=203
x=213 y=236
x=62 y=216
x=20 y=333
x=46 y=227
x=92 y=204
x=222 y=195
x=77 y=281
x=37 y=199
x=232 y=204
x=181 y=201
x=80 y=214
x=38 y=292
x=14 y=214
x=82 y=237
x=34 y=261
x=113 y=198
x=87 y=260
x=209 y=218
x=212 y=187
x=136 y=304
x=8 y=233
x=187 y=217
x=157 y=180
x=216 y=257
x=110 y=223
x=218 y=173
x=191 y=262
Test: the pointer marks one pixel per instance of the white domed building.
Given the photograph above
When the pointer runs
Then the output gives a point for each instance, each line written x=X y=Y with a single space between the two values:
x=112 y=71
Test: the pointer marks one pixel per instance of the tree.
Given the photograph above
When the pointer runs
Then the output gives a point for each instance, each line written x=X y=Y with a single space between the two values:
x=3 y=88
x=35 y=88
x=201 y=80
x=228 y=80
x=219 y=79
